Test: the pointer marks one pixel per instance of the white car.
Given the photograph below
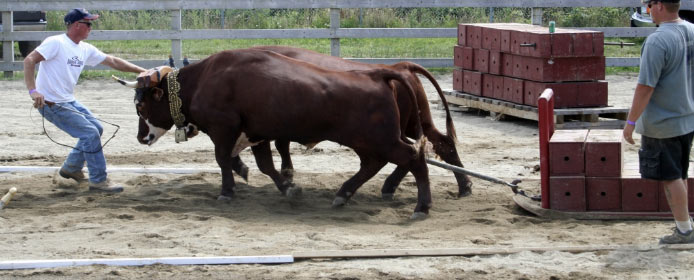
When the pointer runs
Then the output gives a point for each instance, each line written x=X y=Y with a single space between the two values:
x=642 y=17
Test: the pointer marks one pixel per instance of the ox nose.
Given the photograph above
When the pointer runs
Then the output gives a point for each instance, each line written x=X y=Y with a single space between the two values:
x=147 y=140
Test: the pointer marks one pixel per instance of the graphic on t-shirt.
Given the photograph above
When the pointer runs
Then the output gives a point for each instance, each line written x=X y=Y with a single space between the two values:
x=75 y=62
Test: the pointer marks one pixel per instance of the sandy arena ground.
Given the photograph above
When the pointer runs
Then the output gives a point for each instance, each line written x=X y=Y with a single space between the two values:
x=163 y=215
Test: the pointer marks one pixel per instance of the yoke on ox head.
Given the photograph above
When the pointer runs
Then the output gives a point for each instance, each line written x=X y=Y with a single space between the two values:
x=152 y=103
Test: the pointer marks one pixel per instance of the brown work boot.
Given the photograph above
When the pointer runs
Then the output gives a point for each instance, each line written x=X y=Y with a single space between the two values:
x=77 y=176
x=105 y=186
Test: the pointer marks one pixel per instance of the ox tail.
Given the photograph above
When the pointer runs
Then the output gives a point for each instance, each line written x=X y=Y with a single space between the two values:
x=391 y=76
x=416 y=68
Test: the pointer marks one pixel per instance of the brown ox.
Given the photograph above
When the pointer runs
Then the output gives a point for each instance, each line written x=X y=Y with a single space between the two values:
x=444 y=145
x=246 y=97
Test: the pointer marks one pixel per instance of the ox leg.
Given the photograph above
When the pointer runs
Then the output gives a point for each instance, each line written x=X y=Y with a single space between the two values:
x=392 y=182
x=420 y=170
x=263 y=156
x=445 y=148
x=223 y=155
x=369 y=168
x=287 y=170
x=239 y=167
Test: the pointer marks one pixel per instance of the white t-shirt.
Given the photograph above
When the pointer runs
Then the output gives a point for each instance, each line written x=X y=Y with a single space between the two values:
x=64 y=62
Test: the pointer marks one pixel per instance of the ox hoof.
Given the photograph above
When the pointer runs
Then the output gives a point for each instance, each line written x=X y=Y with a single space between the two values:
x=293 y=192
x=387 y=196
x=223 y=198
x=466 y=191
x=418 y=216
x=339 y=201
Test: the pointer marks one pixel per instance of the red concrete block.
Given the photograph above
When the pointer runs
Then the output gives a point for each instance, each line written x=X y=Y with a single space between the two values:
x=462 y=34
x=474 y=36
x=458 y=56
x=603 y=194
x=567 y=193
x=472 y=82
x=458 y=79
x=507 y=64
x=505 y=41
x=513 y=89
x=568 y=94
x=481 y=60
x=495 y=62
x=558 y=69
x=562 y=44
x=604 y=150
x=491 y=38
x=532 y=92
x=638 y=195
x=592 y=94
x=583 y=44
x=488 y=85
x=566 y=152
x=498 y=87
x=519 y=37
x=468 y=58
x=598 y=44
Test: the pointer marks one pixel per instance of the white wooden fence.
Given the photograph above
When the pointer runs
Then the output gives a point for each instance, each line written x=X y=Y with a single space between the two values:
x=176 y=34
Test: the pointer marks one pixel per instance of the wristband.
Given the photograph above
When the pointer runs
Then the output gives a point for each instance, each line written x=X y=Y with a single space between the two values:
x=631 y=123
x=32 y=91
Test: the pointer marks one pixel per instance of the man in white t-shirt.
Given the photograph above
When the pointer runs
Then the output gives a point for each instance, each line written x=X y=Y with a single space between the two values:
x=62 y=59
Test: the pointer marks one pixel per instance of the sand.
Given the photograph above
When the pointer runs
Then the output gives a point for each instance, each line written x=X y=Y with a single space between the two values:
x=166 y=215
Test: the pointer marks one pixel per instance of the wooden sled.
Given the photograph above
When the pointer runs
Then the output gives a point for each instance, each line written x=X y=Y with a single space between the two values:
x=535 y=208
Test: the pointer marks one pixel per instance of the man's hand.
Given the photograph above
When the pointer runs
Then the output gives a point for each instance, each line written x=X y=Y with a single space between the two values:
x=39 y=101
x=628 y=132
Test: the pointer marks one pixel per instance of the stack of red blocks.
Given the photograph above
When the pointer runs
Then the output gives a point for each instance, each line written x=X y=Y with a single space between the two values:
x=516 y=62
x=588 y=173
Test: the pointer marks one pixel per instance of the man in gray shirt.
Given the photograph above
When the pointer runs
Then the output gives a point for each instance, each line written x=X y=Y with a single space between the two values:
x=663 y=111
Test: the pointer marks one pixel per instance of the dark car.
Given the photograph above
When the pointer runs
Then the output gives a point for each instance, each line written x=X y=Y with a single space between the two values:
x=642 y=18
x=27 y=21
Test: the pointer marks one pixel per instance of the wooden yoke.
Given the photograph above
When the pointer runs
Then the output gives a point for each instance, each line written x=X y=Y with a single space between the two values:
x=545 y=122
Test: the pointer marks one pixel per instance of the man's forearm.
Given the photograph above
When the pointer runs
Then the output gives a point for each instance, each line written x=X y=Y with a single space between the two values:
x=126 y=66
x=29 y=67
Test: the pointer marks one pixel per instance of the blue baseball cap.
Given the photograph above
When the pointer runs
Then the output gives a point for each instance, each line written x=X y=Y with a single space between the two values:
x=77 y=15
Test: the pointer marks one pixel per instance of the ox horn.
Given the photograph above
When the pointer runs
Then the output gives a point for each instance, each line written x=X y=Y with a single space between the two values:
x=125 y=83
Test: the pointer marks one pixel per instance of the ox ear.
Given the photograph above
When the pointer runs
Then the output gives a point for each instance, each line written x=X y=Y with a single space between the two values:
x=157 y=94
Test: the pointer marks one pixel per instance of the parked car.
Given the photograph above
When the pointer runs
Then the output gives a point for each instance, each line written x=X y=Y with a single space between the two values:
x=642 y=18
x=27 y=21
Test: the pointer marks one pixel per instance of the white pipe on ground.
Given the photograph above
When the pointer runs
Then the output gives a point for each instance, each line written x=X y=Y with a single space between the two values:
x=32 y=264
x=51 y=169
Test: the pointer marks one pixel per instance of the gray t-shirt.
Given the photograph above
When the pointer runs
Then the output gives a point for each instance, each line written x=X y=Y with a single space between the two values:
x=667 y=64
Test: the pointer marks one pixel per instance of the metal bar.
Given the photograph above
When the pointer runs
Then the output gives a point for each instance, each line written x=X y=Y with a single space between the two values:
x=461 y=170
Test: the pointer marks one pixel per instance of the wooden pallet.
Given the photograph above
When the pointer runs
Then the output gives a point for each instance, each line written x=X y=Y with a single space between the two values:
x=597 y=117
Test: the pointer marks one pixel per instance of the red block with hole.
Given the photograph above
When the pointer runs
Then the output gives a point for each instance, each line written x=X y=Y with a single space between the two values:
x=468 y=56
x=458 y=79
x=507 y=64
x=495 y=62
x=458 y=56
x=474 y=36
x=638 y=195
x=604 y=150
x=491 y=38
x=481 y=60
x=603 y=194
x=462 y=34
x=558 y=69
x=498 y=87
x=567 y=193
x=472 y=82
x=488 y=85
x=566 y=152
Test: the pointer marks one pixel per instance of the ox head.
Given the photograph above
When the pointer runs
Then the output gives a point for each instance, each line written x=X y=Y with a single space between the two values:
x=151 y=103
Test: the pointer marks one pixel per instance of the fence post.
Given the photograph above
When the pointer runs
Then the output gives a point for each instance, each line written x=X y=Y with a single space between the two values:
x=176 y=45
x=491 y=14
x=334 y=26
x=536 y=16
x=7 y=46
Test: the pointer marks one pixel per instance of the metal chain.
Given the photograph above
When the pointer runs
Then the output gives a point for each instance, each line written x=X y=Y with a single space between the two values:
x=43 y=124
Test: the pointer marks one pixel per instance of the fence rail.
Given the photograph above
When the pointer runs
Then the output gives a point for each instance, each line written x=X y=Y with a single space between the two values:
x=334 y=33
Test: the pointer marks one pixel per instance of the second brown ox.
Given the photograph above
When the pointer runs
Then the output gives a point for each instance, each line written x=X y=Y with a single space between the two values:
x=249 y=97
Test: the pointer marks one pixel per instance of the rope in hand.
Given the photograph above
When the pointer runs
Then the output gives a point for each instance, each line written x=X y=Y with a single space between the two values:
x=43 y=124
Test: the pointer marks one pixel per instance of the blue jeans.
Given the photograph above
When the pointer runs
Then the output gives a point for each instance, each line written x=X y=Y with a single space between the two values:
x=87 y=129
